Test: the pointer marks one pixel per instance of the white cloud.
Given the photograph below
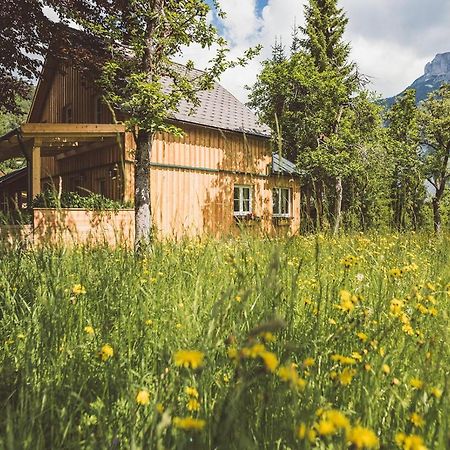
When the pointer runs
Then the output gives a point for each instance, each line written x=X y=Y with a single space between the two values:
x=391 y=40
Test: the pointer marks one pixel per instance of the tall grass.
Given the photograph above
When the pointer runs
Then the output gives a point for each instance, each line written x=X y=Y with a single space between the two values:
x=305 y=299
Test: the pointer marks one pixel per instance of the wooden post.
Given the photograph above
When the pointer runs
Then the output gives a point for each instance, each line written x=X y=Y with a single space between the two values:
x=35 y=175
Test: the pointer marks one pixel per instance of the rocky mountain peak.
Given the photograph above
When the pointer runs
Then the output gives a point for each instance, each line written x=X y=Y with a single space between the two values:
x=439 y=66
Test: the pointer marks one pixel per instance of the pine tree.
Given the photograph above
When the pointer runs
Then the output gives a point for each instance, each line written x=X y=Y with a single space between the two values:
x=324 y=33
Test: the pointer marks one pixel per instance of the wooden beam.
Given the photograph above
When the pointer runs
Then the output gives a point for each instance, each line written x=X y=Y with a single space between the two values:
x=68 y=130
x=35 y=160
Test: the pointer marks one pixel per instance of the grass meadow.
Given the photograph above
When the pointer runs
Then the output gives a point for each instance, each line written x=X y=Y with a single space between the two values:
x=310 y=342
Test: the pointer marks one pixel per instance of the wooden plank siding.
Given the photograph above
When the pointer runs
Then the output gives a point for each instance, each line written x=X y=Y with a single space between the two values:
x=192 y=177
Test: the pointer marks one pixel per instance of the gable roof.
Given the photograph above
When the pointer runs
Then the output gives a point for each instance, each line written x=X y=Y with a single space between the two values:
x=218 y=108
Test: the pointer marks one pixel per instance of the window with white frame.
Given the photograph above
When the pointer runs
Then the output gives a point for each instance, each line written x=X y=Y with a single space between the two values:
x=281 y=198
x=242 y=200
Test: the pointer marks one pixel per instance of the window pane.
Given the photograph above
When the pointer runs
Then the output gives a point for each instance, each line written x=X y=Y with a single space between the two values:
x=246 y=193
x=276 y=201
x=236 y=193
x=284 y=201
x=246 y=205
x=236 y=206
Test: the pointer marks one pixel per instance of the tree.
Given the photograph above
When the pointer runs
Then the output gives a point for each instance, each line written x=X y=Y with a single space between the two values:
x=324 y=32
x=25 y=33
x=407 y=186
x=435 y=137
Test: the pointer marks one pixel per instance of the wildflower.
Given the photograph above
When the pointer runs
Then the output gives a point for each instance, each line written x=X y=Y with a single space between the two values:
x=411 y=442
x=362 y=336
x=193 y=404
x=270 y=360
x=268 y=337
x=189 y=423
x=149 y=322
x=346 y=376
x=367 y=367
x=89 y=330
x=326 y=428
x=189 y=358
x=337 y=418
x=21 y=336
x=436 y=392
x=347 y=301
x=359 y=277
x=386 y=369
x=301 y=432
x=106 y=352
x=78 y=289
x=417 y=420
x=357 y=356
x=290 y=374
x=395 y=272
x=238 y=298
x=362 y=437
x=343 y=359
x=348 y=261
x=232 y=352
x=143 y=397
x=191 y=391
x=309 y=362
x=416 y=383
x=160 y=408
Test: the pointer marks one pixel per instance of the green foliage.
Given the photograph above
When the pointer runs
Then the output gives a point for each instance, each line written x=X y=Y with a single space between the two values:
x=96 y=202
x=219 y=297
x=407 y=190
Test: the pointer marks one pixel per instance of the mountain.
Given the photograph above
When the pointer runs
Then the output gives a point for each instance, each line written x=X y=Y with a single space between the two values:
x=437 y=72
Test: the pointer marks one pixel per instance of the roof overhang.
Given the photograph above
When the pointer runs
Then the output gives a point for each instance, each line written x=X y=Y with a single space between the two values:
x=55 y=138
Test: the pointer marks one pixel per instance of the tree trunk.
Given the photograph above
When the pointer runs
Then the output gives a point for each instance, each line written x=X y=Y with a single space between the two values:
x=436 y=215
x=338 y=205
x=143 y=214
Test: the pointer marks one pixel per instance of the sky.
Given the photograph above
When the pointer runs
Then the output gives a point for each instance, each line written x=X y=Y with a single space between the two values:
x=391 y=40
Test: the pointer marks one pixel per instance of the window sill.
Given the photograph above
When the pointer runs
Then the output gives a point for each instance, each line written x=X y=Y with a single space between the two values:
x=246 y=219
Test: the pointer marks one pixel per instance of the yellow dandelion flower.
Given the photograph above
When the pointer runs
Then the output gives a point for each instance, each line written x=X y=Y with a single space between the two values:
x=191 y=391
x=78 y=289
x=347 y=301
x=232 y=352
x=345 y=360
x=256 y=350
x=290 y=374
x=160 y=408
x=357 y=356
x=417 y=420
x=143 y=397
x=416 y=383
x=301 y=432
x=362 y=336
x=395 y=272
x=106 y=352
x=367 y=367
x=89 y=330
x=338 y=418
x=386 y=369
x=238 y=298
x=346 y=376
x=436 y=392
x=189 y=358
x=268 y=337
x=362 y=437
x=193 y=405
x=189 y=423
x=149 y=322
x=410 y=442
x=309 y=362
x=325 y=427
x=270 y=360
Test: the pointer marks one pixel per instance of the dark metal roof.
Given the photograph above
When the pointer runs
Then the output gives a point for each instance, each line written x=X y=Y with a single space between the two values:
x=283 y=166
x=12 y=176
x=218 y=108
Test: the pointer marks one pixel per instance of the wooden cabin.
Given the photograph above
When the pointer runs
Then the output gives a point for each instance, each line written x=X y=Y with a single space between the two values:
x=219 y=176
